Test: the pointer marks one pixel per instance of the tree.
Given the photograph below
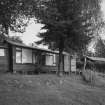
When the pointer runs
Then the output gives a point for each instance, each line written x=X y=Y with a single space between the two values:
x=15 y=14
x=100 y=48
x=68 y=23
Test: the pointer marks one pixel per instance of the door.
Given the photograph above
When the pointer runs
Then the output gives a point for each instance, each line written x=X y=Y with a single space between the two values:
x=66 y=63
x=10 y=58
x=73 y=64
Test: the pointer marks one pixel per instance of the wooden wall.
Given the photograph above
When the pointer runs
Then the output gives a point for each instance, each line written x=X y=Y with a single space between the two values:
x=69 y=64
x=21 y=67
x=4 y=63
x=73 y=64
x=29 y=67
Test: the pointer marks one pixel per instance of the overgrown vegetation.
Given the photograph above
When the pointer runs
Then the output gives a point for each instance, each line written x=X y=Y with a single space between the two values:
x=69 y=24
x=15 y=15
x=89 y=76
x=50 y=90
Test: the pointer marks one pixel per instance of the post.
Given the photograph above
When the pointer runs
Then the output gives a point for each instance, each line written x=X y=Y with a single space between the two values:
x=70 y=65
x=85 y=64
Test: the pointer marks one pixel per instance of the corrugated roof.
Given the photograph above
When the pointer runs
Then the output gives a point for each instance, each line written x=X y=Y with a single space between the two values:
x=8 y=40
x=96 y=59
x=31 y=47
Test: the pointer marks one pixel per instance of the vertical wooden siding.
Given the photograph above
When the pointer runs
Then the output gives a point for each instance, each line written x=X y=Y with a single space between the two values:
x=4 y=62
x=67 y=63
x=30 y=67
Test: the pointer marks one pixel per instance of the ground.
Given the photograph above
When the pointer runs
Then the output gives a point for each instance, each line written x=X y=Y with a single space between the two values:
x=49 y=89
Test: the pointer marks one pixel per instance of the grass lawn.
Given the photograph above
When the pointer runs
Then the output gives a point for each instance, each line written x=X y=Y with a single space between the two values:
x=49 y=89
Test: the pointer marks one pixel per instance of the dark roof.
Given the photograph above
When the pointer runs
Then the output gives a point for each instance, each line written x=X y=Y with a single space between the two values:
x=96 y=59
x=8 y=40
x=30 y=47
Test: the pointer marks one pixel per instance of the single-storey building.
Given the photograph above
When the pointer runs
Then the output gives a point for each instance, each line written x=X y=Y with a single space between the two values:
x=96 y=63
x=16 y=57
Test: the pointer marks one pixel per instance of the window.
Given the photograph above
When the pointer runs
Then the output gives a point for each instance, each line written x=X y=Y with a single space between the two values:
x=35 y=58
x=17 y=48
x=54 y=59
x=26 y=56
x=43 y=59
x=51 y=60
x=18 y=55
x=23 y=55
x=2 y=52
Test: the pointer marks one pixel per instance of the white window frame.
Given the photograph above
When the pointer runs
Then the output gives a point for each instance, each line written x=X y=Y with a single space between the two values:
x=2 y=52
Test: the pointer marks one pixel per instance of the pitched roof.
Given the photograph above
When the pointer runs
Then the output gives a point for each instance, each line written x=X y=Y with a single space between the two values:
x=8 y=40
x=96 y=59
x=30 y=47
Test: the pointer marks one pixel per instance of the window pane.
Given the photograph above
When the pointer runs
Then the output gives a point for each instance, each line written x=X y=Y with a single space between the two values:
x=17 y=48
x=2 y=52
x=43 y=59
x=18 y=57
x=49 y=60
x=35 y=58
x=54 y=60
x=26 y=56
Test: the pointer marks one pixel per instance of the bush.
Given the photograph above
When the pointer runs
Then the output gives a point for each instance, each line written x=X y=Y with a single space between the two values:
x=100 y=67
x=79 y=65
x=39 y=70
x=88 y=76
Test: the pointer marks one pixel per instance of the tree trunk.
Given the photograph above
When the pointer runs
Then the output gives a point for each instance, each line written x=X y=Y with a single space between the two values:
x=60 y=63
x=7 y=30
x=6 y=26
x=85 y=63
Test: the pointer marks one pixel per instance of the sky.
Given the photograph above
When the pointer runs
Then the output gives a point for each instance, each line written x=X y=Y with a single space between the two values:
x=102 y=34
x=30 y=35
x=103 y=7
x=33 y=29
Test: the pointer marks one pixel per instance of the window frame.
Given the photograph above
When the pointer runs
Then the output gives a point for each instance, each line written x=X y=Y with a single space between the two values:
x=19 y=50
x=32 y=56
x=54 y=60
x=4 y=54
x=53 y=63
x=37 y=57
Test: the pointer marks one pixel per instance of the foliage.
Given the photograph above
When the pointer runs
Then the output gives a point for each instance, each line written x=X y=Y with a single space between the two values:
x=100 y=67
x=100 y=48
x=88 y=76
x=15 y=14
x=68 y=23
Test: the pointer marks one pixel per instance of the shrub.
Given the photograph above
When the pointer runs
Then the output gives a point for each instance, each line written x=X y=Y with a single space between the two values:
x=100 y=67
x=88 y=76
x=39 y=70
x=79 y=65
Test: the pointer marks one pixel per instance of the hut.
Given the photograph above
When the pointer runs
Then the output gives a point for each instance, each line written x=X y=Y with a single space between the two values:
x=96 y=63
x=18 y=57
